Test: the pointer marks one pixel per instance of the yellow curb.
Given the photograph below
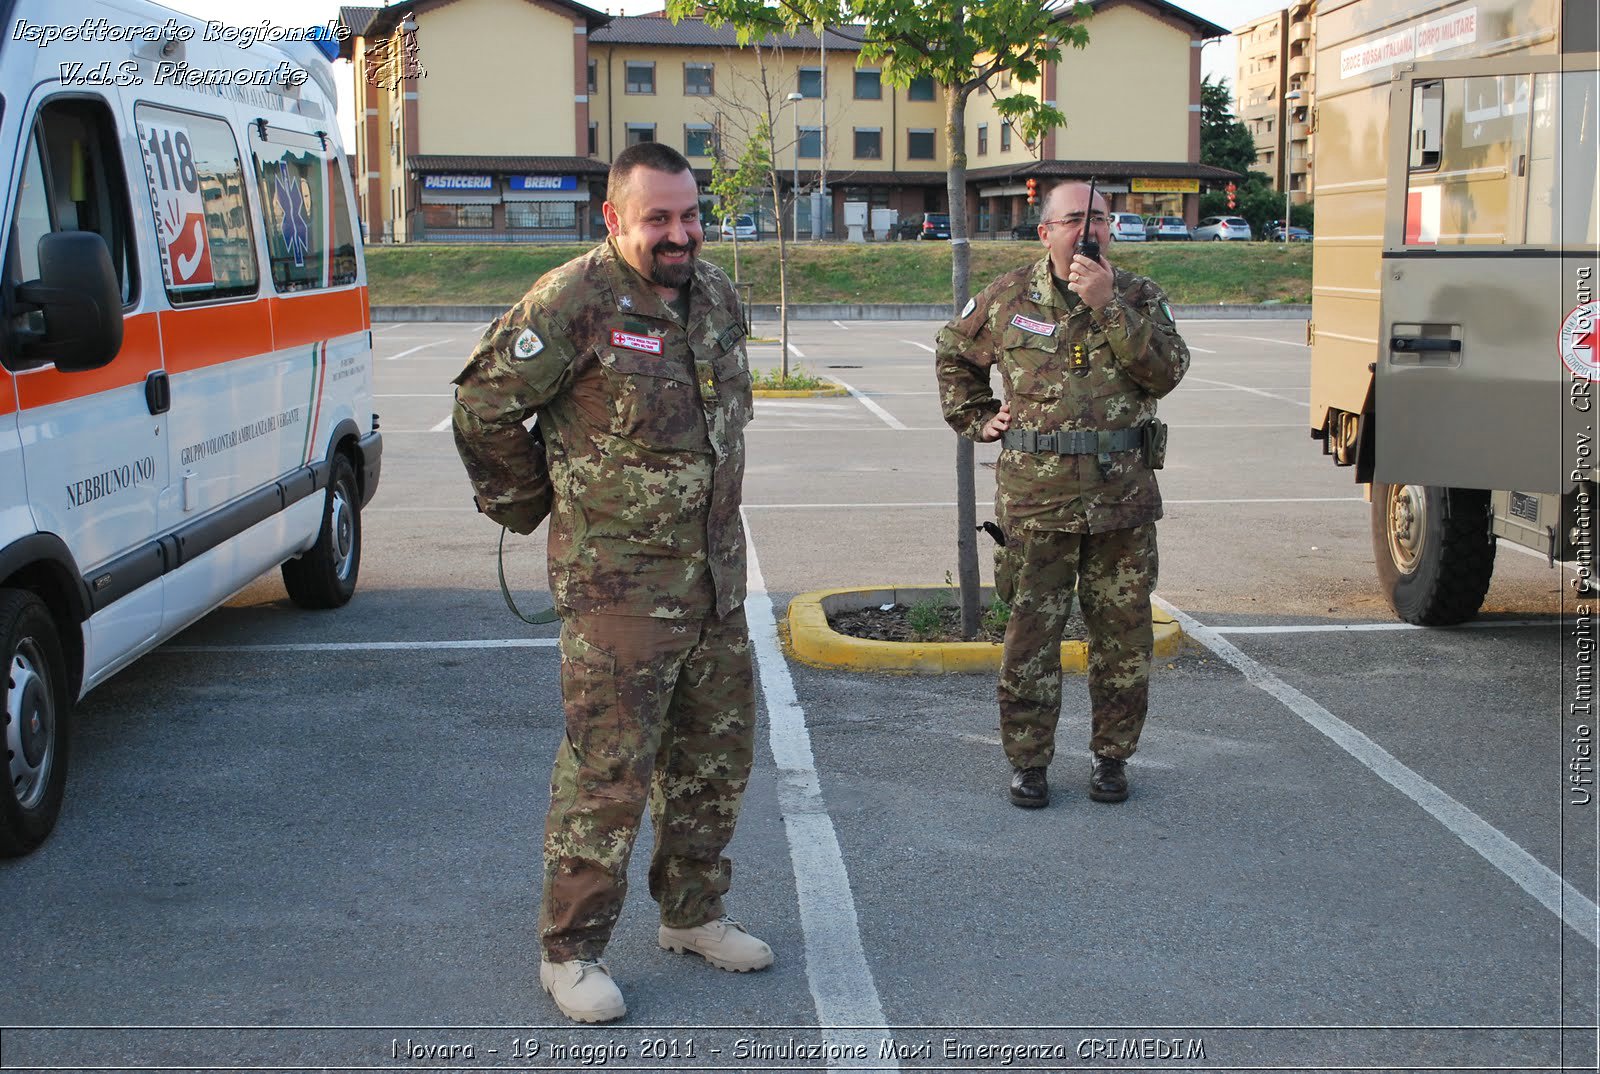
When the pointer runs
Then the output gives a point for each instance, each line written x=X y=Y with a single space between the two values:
x=812 y=641
x=789 y=393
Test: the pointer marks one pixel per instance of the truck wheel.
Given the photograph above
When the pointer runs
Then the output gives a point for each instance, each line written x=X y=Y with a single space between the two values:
x=36 y=714
x=1433 y=549
x=325 y=576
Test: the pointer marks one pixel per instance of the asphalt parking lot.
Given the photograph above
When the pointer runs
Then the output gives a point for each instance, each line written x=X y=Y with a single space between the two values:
x=311 y=841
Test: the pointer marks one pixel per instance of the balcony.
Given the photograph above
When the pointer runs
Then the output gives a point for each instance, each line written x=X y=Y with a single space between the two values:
x=1299 y=31
x=1299 y=65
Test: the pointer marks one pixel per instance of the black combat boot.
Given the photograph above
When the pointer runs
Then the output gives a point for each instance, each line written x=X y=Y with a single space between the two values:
x=1029 y=788
x=1108 y=779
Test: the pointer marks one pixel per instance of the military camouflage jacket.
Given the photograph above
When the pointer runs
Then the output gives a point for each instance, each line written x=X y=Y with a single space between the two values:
x=1063 y=366
x=643 y=419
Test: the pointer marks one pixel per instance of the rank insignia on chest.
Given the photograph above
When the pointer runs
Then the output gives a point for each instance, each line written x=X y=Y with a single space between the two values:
x=1028 y=324
x=626 y=302
x=630 y=341
x=1080 y=358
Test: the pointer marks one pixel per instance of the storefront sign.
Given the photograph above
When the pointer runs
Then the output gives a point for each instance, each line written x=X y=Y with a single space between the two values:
x=457 y=182
x=1164 y=186
x=544 y=182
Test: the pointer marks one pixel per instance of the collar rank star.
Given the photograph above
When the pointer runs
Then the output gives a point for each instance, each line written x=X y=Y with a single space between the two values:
x=626 y=302
x=1080 y=358
x=1028 y=324
x=629 y=341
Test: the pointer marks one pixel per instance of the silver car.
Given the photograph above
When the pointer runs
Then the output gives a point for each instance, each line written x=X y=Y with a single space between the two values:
x=1219 y=228
x=1166 y=227
x=1127 y=227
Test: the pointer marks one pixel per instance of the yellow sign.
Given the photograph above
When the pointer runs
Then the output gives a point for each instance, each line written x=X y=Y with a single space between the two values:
x=1164 y=186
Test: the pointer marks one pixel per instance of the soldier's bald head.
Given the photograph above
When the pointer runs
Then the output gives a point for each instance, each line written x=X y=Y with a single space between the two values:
x=1069 y=194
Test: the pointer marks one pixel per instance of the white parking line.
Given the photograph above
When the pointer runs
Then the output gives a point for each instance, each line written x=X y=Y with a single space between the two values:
x=1252 y=391
x=796 y=351
x=412 y=395
x=1199 y=350
x=414 y=350
x=1264 y=339
x=1540 y=556
x=442 y=426
x=1527 y=872
x=924 y=346
x=367 y=646
x=888 y=419
x=1324 y=628
x=841 y=324
x=842 y=989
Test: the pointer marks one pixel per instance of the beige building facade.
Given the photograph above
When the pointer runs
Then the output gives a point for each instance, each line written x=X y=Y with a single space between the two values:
x=1275 y=94
x=496 y=119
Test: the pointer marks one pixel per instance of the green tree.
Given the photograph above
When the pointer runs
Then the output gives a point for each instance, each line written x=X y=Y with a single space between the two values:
x=737 y=191
x=963 y=45
x=1225 y=142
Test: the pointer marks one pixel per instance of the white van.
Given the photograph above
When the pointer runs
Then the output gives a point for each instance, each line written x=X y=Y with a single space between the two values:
x=185 y=355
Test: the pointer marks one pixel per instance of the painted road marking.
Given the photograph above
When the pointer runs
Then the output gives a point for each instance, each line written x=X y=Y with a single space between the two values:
x=1252 y=391
x=367 y=646
x=414 y=350
x=888 y=418
x=1527 y=872
x=842 y=988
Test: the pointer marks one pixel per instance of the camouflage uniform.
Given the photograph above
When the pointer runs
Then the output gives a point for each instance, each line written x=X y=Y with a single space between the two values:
x=1084 y=521
x=643 y=419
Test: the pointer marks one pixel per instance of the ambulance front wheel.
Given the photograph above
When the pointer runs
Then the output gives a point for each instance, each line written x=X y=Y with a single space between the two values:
x=36 y=711
x=325 y=576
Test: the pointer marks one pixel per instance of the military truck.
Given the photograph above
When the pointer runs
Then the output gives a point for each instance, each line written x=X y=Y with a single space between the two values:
x=1454 y=354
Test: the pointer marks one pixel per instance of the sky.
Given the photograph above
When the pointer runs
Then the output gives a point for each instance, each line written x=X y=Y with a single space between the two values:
x=1216 y=60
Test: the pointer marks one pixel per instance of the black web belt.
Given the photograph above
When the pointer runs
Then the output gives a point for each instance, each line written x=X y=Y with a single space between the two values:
x=1075 y=441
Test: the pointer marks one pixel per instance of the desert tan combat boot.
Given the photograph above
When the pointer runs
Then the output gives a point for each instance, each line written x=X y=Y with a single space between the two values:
x=583 y=989
x=724 y=943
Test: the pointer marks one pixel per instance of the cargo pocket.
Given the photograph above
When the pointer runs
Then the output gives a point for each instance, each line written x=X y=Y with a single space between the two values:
x=1007 y=561
x=589 y=698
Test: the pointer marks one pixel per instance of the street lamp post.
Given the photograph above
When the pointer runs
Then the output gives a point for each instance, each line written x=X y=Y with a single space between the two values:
x=792 y=99
x=1288 y=119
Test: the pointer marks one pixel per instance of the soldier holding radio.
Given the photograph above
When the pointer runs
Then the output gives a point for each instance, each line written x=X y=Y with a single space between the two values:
x=1084 y=351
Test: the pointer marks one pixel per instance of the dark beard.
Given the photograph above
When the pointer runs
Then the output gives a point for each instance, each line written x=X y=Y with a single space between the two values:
x=673 y=275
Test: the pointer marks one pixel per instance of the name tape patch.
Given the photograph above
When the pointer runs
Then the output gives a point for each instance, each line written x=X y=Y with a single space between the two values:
x=1028 y=324
x=631 y=342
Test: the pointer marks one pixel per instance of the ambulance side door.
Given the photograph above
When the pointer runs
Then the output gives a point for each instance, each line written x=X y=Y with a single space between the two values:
x=94 y=444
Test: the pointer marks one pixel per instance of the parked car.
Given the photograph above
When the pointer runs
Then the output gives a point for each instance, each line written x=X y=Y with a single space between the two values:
x=742 y=226
x=1219 y=228
x=1296 y=233
x=1028 y=229
x=934 y=226
x=1166 y=227
x=1127 y=227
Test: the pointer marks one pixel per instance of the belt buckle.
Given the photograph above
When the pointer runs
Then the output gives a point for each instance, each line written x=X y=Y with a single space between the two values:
x=1027 y=440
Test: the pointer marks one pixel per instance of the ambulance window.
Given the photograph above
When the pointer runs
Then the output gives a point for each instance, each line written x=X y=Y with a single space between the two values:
x=1474 y=190
x=72 y=180
x=306 y=213
x=202 y=214
x=1427 y=123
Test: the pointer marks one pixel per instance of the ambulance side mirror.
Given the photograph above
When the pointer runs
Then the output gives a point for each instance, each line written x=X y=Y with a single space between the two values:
x=81 y=303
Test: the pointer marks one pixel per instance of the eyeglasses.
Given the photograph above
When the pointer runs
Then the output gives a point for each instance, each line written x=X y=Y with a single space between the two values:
x=1094 y=218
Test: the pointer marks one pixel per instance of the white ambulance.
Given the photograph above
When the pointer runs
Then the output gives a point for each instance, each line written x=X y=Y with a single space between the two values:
x=185 y=355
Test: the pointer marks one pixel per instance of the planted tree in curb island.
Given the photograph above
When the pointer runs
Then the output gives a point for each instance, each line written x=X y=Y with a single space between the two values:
x=963 y=45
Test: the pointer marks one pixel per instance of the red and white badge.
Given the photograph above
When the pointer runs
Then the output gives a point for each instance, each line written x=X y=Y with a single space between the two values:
x=1577 y=342
x=1028 y=324
x=629 y=341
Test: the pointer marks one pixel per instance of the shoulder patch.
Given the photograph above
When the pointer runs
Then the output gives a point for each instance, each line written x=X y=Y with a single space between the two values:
x=972 y=304
x=527 y=345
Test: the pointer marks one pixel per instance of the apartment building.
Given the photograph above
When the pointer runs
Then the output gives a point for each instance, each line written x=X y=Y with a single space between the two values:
x=496 y=119
x=1274 y=94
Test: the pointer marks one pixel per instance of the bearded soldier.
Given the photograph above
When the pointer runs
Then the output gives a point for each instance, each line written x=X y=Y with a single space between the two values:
x=632 y=356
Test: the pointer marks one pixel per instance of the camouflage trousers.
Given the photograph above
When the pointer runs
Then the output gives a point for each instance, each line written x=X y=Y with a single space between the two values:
x=1113 y=574
x=660 y=710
